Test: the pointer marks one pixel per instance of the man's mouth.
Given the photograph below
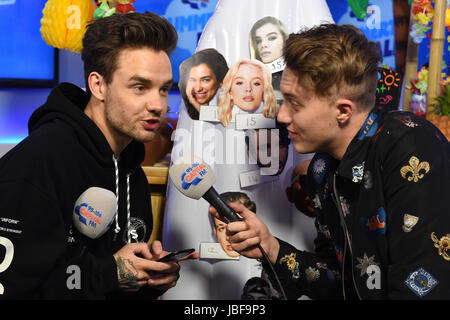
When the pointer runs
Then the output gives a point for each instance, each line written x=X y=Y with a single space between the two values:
x=151 y=124
x=292 y=134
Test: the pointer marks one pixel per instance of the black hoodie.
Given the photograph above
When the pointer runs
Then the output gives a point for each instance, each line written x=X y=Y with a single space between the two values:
x=41 y=252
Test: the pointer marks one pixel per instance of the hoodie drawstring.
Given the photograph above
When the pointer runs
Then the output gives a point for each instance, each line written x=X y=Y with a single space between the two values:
x=128 y=209
x=117 y=229
x=116 y=167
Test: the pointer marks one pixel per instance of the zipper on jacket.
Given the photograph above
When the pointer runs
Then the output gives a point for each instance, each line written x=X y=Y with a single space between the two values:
x=338 y=204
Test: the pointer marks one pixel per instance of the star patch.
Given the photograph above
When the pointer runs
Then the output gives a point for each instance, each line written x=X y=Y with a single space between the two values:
x=421 y=282
x=319 y=167
x=365 y=262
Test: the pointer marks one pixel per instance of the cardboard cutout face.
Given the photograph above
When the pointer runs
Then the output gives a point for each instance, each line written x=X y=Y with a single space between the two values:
x=221 y=234
x=200 y=78
x=269 y=43
x=201 y=86
x=247 y=88
x=220 y=227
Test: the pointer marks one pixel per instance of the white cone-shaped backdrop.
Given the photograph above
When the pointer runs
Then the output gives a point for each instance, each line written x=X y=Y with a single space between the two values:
x=186 y=221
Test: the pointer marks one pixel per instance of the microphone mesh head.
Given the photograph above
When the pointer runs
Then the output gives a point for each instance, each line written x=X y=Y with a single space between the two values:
x=192 y=176
x=94 y=211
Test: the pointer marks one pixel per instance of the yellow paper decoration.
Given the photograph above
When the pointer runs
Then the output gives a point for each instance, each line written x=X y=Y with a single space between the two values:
x=447 y=17
x=63 y=23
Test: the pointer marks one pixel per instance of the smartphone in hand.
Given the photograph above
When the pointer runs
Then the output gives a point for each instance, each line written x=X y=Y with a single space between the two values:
x=177 y=255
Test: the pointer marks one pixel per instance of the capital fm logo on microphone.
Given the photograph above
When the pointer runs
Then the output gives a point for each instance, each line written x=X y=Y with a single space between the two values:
x=193 y=175
x=88 y=215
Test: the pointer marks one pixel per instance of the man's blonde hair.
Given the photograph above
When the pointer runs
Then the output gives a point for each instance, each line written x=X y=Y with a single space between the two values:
x=335 y=60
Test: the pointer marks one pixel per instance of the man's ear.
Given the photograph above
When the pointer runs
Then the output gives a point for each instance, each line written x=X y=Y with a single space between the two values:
x=97 y=85
x=345 y=109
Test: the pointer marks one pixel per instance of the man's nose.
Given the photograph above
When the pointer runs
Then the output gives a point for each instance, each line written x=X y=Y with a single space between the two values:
x=283 y=114
x=156 y=103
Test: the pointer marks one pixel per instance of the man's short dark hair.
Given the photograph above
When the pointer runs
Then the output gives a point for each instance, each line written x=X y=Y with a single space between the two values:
x=106 y=37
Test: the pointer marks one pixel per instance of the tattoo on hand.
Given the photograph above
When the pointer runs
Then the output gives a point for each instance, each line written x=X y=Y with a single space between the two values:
x=128 y=274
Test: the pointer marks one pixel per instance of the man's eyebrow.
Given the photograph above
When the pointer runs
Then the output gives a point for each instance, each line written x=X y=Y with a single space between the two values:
x=169 y=82
x=148 y=81
x=139 y=79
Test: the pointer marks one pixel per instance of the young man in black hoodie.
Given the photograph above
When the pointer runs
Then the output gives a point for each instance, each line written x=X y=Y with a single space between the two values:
x=80 y=140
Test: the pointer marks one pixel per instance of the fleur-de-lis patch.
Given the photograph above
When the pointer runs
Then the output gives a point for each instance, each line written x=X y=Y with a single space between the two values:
x=412 y=172
x=442 y=244
x=291 y=264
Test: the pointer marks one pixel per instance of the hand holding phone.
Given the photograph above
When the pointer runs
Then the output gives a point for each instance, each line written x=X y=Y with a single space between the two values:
x=176 y=256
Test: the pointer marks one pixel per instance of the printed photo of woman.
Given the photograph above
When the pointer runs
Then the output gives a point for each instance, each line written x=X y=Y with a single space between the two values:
x=247 y=86
x=200 y=77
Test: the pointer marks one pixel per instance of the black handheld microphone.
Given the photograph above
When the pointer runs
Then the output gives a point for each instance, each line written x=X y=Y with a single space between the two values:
x=195 y=179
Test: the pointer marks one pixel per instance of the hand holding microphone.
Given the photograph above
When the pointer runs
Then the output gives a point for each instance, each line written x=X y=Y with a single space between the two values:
x=248 y=234
x=194 y=178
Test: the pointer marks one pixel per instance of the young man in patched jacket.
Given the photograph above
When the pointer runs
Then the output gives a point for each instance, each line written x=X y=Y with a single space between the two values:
x=379 y=181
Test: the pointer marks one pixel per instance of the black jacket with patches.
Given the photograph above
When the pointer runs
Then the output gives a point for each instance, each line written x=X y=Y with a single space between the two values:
x=382 y=217
x=41 y=251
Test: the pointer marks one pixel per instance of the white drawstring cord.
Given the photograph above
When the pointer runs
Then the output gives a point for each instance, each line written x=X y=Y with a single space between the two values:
x=117 y=229
x=116 y=166
x=128 y=208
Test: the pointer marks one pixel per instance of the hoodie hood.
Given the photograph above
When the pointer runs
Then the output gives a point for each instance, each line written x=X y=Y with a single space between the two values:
x=67 y=102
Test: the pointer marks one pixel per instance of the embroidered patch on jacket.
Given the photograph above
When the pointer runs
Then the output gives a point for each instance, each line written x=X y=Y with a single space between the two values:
x=345 y=206
x=365 y=262
x=291 y=264
x=323 y=229
x=358 y=172
x=414 y=171
x=375 y=223
x=367 y=180
x=370 y=126
x=409 y=221
x=339 y=253
x=316 y=202
x=442 y=244
x=312 y=274
x=319 y=167
x=421 y=282
x=407 y=121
